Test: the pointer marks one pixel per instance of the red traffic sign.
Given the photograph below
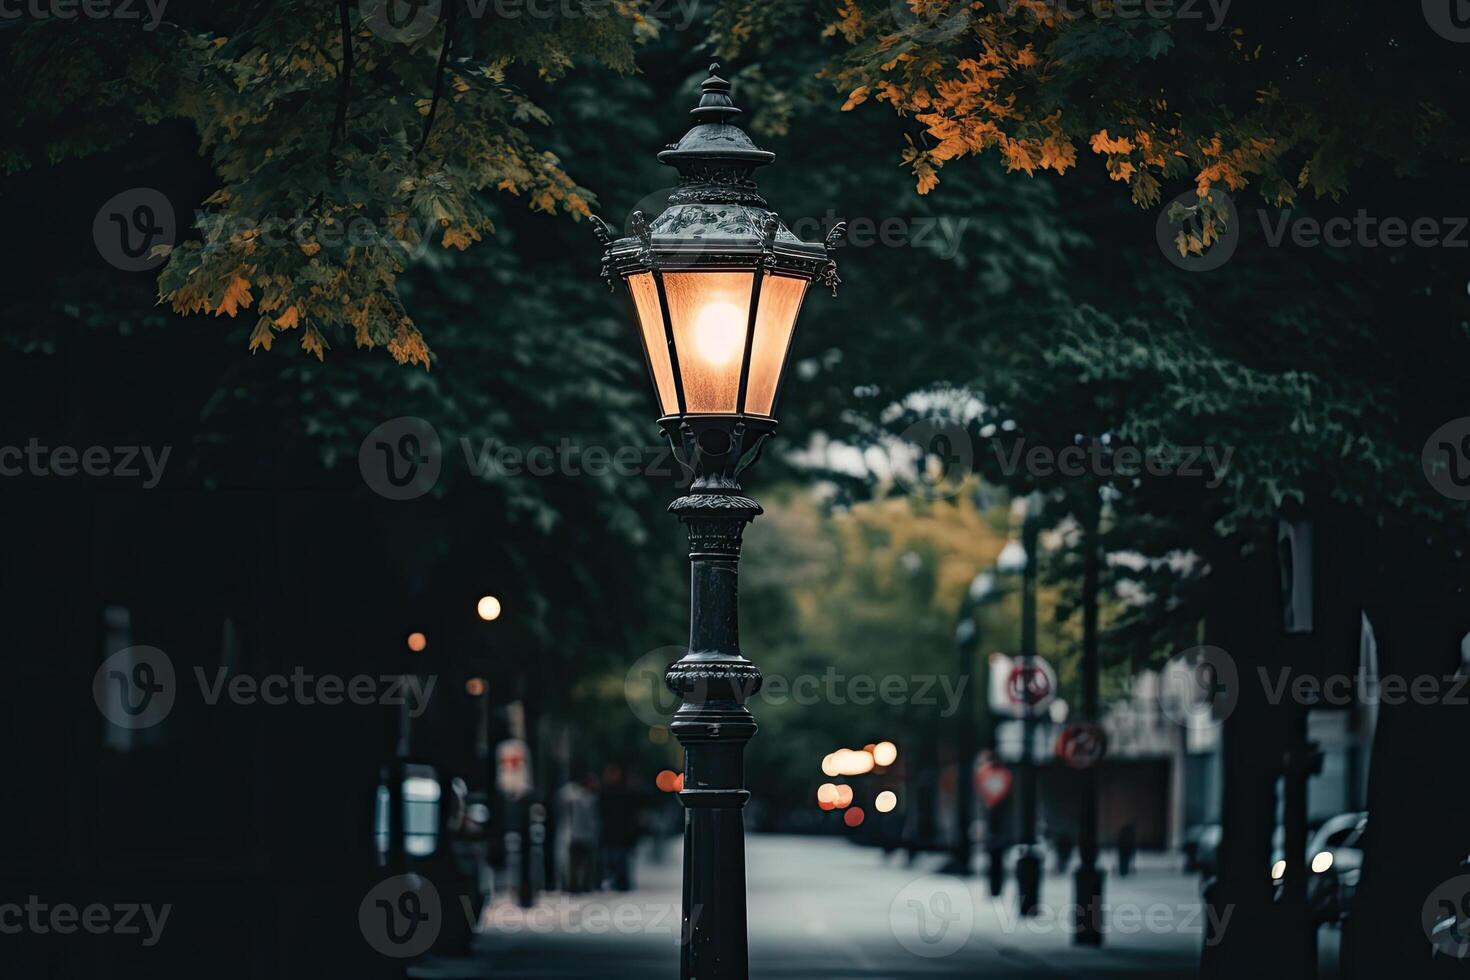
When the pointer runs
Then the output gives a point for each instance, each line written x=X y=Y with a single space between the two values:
x=993 y=781
x=1031 y=685
x=1082 y=744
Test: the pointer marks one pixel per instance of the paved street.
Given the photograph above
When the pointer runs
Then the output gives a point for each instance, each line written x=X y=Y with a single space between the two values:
x=821 y=908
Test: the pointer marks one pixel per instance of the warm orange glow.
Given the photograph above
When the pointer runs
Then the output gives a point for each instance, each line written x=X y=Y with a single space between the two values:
x=679 y=782
x=774 y=323
x=854 y=817
x=667 y=781
x=418 y=642
x=844 y=796
x=651 y=320
x=886 y=801
x=488 y=607
x=885 y=754
x=709 y=312
x=475 y=686
x=848 y=762
x=827 y=793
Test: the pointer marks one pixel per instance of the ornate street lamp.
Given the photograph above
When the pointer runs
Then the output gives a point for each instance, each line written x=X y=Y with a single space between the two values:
x=716 y=282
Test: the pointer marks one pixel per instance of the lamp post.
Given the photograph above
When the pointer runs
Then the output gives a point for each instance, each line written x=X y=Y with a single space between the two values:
x=982 y=592
x=1028 y=866
x=716 y=282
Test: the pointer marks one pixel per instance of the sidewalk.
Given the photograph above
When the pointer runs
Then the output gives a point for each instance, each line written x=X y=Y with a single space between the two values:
x=822 y=908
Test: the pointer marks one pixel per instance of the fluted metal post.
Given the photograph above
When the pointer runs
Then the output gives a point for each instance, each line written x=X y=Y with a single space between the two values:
x=713 y=725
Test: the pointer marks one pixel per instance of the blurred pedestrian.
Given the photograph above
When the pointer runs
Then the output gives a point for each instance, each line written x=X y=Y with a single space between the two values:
x=577 y=833
x=618 y=809
x=1127 y=849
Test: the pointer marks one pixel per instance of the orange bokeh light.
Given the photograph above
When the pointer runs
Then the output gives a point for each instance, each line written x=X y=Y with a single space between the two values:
x=854 y=817
x=667 y=781
x=475 y=686
x=418 y=642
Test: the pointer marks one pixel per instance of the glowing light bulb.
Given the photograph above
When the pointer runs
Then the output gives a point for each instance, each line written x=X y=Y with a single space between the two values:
x=886 y=801
x=488 y=607
x=885 y=754
x=719 y=332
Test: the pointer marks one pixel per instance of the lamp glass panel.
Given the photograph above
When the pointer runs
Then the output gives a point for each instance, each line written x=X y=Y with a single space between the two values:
x=775 y=320
x=651 y=321
x=710 y=313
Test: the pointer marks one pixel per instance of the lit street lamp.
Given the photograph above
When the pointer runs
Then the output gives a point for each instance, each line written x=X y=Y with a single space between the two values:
x=716 y=282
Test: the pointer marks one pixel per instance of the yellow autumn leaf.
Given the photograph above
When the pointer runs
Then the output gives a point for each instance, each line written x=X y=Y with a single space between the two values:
x=237 y=294
x=287 y=320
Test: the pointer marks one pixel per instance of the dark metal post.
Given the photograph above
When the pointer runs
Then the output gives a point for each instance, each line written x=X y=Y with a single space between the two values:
x=713 y=725
x=1028 y=867
x=967 y=644
x=1088 y=881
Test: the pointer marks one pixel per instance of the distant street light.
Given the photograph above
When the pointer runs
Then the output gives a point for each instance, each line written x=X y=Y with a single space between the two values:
x=418 y=642
x=488 y=607
x=716 y=282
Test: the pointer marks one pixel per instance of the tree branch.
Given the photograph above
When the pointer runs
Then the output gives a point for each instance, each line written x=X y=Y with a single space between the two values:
x=339 y=124
x=439 y=78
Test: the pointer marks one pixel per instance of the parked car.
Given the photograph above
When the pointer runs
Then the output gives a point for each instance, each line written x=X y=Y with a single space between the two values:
x=1336 y=850
x=1202 y=849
